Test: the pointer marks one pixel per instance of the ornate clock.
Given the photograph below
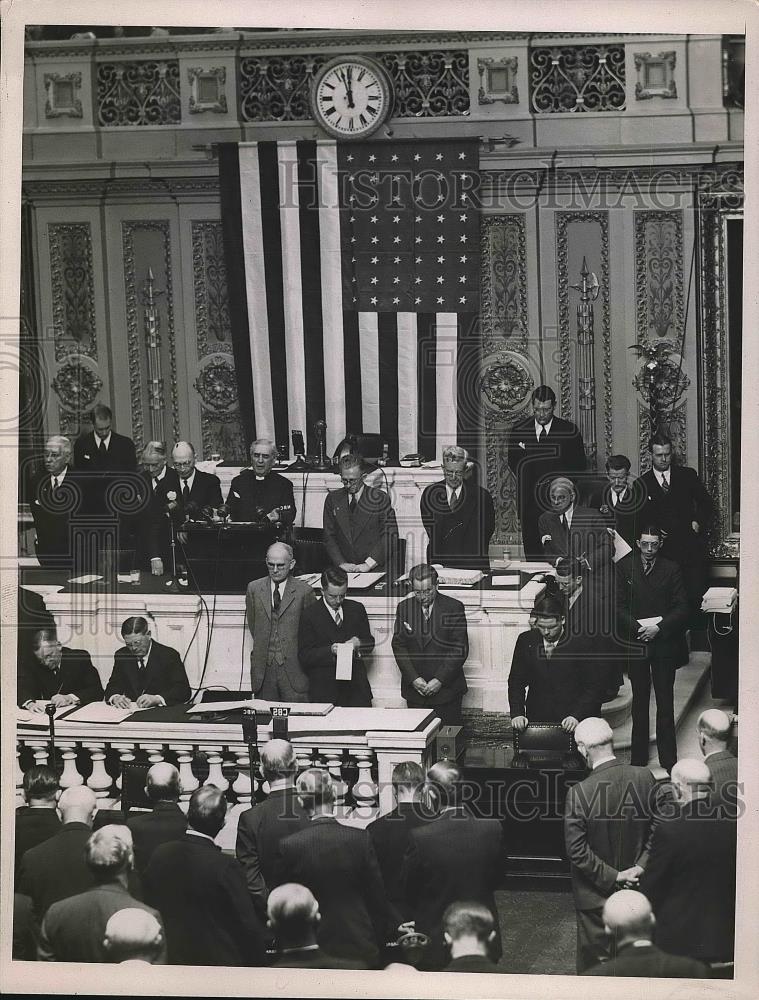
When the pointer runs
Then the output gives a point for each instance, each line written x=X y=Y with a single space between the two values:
x=351 y=97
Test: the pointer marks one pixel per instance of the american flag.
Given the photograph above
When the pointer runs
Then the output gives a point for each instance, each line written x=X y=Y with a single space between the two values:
x=358 y=271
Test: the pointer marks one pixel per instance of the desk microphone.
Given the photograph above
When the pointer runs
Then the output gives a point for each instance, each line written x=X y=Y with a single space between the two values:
x=50 y=712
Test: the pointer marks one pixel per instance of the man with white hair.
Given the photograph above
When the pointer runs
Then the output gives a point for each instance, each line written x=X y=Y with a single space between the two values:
x=690 y=875
x=629 y=924
x=607 y=825
x=714 y=731
x=74 y=929
x=57 y=495
x=572 y=531
x=458 y=515
x=161 y=489
x=133 y=935
x=274 y=604
x=259 y=493
x=293 y=916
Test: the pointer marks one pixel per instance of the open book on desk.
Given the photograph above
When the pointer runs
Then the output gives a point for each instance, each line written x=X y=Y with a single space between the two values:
x=101 y=711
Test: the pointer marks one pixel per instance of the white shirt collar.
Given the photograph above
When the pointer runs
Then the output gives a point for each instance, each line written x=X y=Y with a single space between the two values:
x=451 y=492
x=616 y=497
x=540 y=427
x=61 y=475
x=333 y=611
x=664 y=475
x=105 y=440
x=712 y=753
x=568 y=514
x=280 y=784
x=197 y=833
x=190 y=480
x=604 y=761
x=357 y=494
x=574 y=596
x=280 y=585
x=160 y=475
x=146 y=657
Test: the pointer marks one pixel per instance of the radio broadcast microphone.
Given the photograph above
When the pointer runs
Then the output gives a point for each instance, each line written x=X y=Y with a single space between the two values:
x=50 y=712
x=299 y=450
x=322 y=463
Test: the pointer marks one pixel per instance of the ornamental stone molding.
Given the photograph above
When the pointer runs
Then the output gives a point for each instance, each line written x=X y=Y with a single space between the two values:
x=506 y=382
x=217 y=387
x=207 y=90
x=61 y=95
x=656 y=75
x=73 y=289
x=77 y=385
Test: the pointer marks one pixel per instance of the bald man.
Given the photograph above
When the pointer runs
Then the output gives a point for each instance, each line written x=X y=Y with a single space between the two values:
x=56 y=868
x=133 y=935
x=629 y=924
x=714 y=734
x=196 y=489
x=607 y=825
x=166 y=821
x=293 y=916
x=571 y=531
x=274 y=605
x=690 y=876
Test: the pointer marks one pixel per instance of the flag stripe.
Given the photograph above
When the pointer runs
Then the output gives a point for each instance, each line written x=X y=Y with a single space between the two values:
x=260 y=292
x=468 y=374
x=311 y=286
x=446 y=376
x=388 y=379
x=426 y=388
x=407 y=387
x=335 y=381
x=352 y=369
x=289 y=214
x=369 y=347
x=272 y=359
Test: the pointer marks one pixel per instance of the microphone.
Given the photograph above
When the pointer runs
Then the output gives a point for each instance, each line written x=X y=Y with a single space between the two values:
x=322 y=464
x=299 y=450
x=50 y=712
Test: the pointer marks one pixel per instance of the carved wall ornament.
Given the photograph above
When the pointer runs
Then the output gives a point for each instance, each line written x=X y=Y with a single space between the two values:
x=207 y=90
x=73 y=289
x=504 y=281
x=659 y=305
x=138 y=93
x=276 y=88
x=498 y=80
x=61 y=95
x=77 y=385
x=209 y=276
x=577 y=78
x=217 y=387
x=660 y=374
x=656 y=75
x=506 y=382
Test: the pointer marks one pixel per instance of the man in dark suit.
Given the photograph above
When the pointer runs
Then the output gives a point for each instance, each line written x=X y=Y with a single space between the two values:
x=431 y=646
x=58 y=499
x=458 y=516
x=360 y=529
x=133 y=935
x=56 y=674
x=650 y=591
x=450 y=859
x=338 y=864
x=607 y=826
x=293 y=916
x=38 y=820
x=208 y=914
x=74 y=928
x=162 y=493
x=541 y=447
x=323 y=626
x=145 y=672
x=551 y=680
x=690 y=875
x=629 y=924
x=102 y=450
x=620 y=501
x=259 y=493
x=196 y=489
x=714 y=734
x=469 y=933
x=274 y=606
x=678 y=502
x=165 y=822
x=56 y=869
x=390 y=833
x=261 y=828
x=571 y=531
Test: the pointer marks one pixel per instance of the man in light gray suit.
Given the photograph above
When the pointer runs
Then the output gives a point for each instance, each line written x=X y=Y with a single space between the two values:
x=274 y=605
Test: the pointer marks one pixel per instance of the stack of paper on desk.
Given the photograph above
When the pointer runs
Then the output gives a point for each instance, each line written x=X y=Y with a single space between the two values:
x=356 y=581
x=450 y=577
x=99 y=711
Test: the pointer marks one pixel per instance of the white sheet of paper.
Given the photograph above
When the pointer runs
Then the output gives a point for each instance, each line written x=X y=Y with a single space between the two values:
x=42 y=588
x=87 y=578
x=344 y=668
x=621 y=548
x=505 y=581
x=361 y=581
x=25 y=715
x=643 y=622
x=100 y=711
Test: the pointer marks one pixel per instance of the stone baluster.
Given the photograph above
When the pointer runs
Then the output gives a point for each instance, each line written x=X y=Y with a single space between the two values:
x=303 y=757
x=215 y=774
x=99 y=781
x=365 y=791
x=334 y=758
x=126 y=753
x=244 y=784
x=155 y=753
x=187 y=780
x=19 y=777
x=40 y=751
x=69 y=776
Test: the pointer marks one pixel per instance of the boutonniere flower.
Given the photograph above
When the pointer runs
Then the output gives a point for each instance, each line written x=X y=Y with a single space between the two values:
x=605 y=508
x=407 y=627
x=87 y=457
x=171 y=495
x=522 y=445
x=235 y=494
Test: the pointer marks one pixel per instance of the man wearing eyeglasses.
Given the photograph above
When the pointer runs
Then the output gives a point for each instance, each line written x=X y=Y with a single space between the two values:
x=259 y=493
x=274 y=605
x=360 y=529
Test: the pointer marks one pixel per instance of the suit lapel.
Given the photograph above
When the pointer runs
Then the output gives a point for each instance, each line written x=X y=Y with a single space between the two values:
x=341 y=512
x=288 y=596
x=263 y=589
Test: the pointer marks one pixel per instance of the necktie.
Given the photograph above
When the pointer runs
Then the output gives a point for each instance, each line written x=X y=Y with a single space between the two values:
x=541 y=434
x=141 y=664
x=664 y=484
x=339 y=618
x=55 y=484
x=155 y=484
x=185 y=492
x=549 y=648
x=454 y=500
x=426 y=615
x=352 y=503
x=647 y=566
x=277 y=599
x=564 y=524
x=101 y=448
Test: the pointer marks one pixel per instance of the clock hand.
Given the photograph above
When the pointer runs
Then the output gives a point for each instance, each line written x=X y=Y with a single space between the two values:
x=349 y=87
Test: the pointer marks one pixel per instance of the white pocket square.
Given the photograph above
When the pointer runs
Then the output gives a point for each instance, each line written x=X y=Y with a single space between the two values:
x=235 y=494
x=407 y=627
x=38 y=503
x=87 y=456
x=544 y=539
x=522 y=445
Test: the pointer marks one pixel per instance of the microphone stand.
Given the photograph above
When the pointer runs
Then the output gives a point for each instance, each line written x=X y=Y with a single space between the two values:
x=173 y=546
x=250 y=735
x=322 y=463
x=50 y=712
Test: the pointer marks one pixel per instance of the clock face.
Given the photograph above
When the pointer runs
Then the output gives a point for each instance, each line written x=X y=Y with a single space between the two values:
x=351 y=98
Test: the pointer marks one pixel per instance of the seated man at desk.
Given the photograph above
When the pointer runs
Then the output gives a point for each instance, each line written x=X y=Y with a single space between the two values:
x=258 y=493
x=56 y=674
x=551 y=681
x=196 y=489
x=145 y=672
x=360 y=530
x=323 y=625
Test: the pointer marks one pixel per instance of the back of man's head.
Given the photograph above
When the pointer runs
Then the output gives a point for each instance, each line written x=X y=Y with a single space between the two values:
x=162 y=783
x=447 y=781
x=77 y=804
x=109 y=852
x=207 y=810
x=627 y=915
x=471 y=921
x=714 y=724
x=293 y=915
x=316 y=789
x=278 y=760
x=41 y=786
x=407 y=779
x=595 y=735
x=132 y=934
x=692 y=777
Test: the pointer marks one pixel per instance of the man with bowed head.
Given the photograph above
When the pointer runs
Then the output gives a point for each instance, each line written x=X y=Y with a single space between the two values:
x=145 y=672
x=196 y=489
x=293 y=916
x=259 y=492
x=360 y=529
x=55 y=673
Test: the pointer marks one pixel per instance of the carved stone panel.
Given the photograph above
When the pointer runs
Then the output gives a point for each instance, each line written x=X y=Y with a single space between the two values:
x=138 y=93
x=659 y=293
x=221 y=427
x=504 y=286
x=73 y=292
x=210 y=288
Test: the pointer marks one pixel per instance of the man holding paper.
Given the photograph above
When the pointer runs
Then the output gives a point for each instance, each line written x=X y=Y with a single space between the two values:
x=652 y=616
x=333 y=640
x=145 y=673
x=56 y=674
